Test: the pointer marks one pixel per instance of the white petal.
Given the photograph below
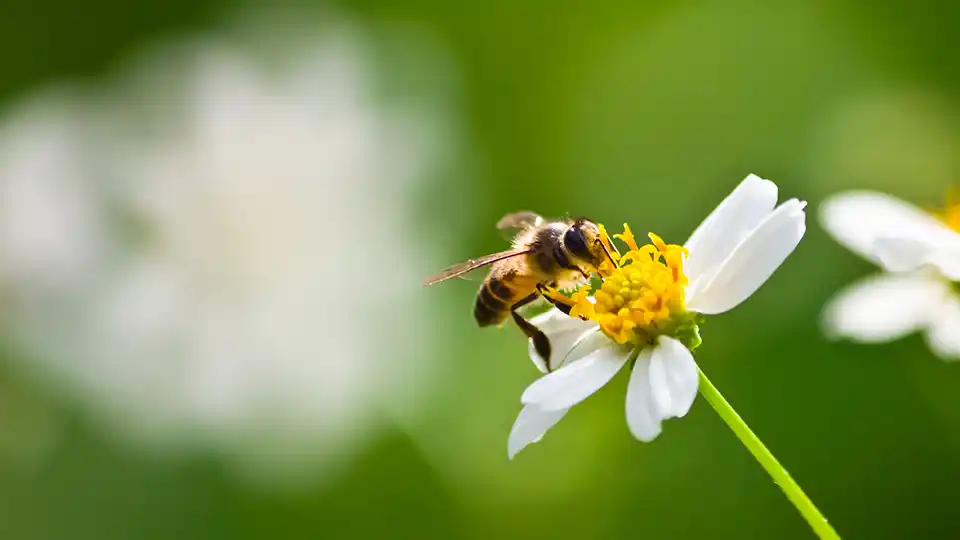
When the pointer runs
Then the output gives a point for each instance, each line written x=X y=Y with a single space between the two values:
x=907 y=254
x=643 y=415
x=538 y=361
x=883 y=307
x=752 y=262
x=947 y=261
x=673 y=377
x=549 y=317
x=857 y=219
x=728 y=224
x=531 y=425
x=586 y=344
x=576 y=381
x=563 y=332
x=943 y=334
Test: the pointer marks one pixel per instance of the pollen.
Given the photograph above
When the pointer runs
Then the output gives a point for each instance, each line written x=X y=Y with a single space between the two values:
x=642 y=295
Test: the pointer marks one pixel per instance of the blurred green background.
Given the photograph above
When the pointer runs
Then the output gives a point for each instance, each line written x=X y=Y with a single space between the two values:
x=646 y=112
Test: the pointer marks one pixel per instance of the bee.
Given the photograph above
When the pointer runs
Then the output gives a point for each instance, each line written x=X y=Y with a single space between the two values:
x=545 y=254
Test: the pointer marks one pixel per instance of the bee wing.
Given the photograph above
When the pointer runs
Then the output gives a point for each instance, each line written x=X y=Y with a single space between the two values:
x=519 y=220
x=511 y=224
x=472 y=264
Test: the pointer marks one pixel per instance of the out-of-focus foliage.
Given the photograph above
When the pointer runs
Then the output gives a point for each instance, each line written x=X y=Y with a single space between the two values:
x=647 y=112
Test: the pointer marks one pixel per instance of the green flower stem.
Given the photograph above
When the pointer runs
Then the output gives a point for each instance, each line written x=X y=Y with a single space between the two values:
x=780 y=475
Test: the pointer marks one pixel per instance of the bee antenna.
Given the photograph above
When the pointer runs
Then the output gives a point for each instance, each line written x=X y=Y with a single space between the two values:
x=607 y=251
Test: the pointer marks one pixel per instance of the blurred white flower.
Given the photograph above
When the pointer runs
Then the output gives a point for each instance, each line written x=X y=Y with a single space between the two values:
x=224 y=253
x=647 y=310
x=920 y=251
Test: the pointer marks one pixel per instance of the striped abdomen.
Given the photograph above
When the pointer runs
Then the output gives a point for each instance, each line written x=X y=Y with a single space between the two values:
x=497 y=295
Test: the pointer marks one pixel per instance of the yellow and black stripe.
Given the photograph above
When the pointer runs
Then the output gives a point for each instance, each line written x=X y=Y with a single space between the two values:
x=494 y=300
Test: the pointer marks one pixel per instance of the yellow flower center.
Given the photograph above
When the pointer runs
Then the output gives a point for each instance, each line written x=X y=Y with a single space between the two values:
x=641 y=293
x=951 y=216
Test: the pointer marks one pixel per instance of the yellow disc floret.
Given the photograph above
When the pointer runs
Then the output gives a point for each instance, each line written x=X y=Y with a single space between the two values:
x=951 y=214
x=639 y=297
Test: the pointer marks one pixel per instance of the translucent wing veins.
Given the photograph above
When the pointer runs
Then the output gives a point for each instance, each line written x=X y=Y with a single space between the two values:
x=471 y=264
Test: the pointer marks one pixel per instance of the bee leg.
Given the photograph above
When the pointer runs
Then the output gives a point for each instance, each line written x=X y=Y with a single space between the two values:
x=607 y=251
x=585 y=275
x=540 y=342
x=564 y=262
x=565 y=308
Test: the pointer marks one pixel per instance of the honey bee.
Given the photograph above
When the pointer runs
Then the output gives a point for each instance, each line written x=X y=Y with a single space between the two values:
x=545 y=254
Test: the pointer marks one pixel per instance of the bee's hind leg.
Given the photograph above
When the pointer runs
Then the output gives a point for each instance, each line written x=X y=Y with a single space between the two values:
x=540 y=342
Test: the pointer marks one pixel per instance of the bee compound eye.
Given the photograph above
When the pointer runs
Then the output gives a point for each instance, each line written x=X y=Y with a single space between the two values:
x=576 y=242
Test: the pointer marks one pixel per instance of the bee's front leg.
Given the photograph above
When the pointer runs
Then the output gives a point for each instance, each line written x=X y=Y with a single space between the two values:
x=545 y=292
x=566 y=264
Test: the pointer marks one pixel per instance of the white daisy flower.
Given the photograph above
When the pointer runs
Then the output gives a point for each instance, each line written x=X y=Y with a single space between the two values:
x=920 y=253
x=647 y=309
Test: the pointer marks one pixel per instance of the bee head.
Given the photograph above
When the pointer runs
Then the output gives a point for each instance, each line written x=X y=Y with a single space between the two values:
x=582 y=240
